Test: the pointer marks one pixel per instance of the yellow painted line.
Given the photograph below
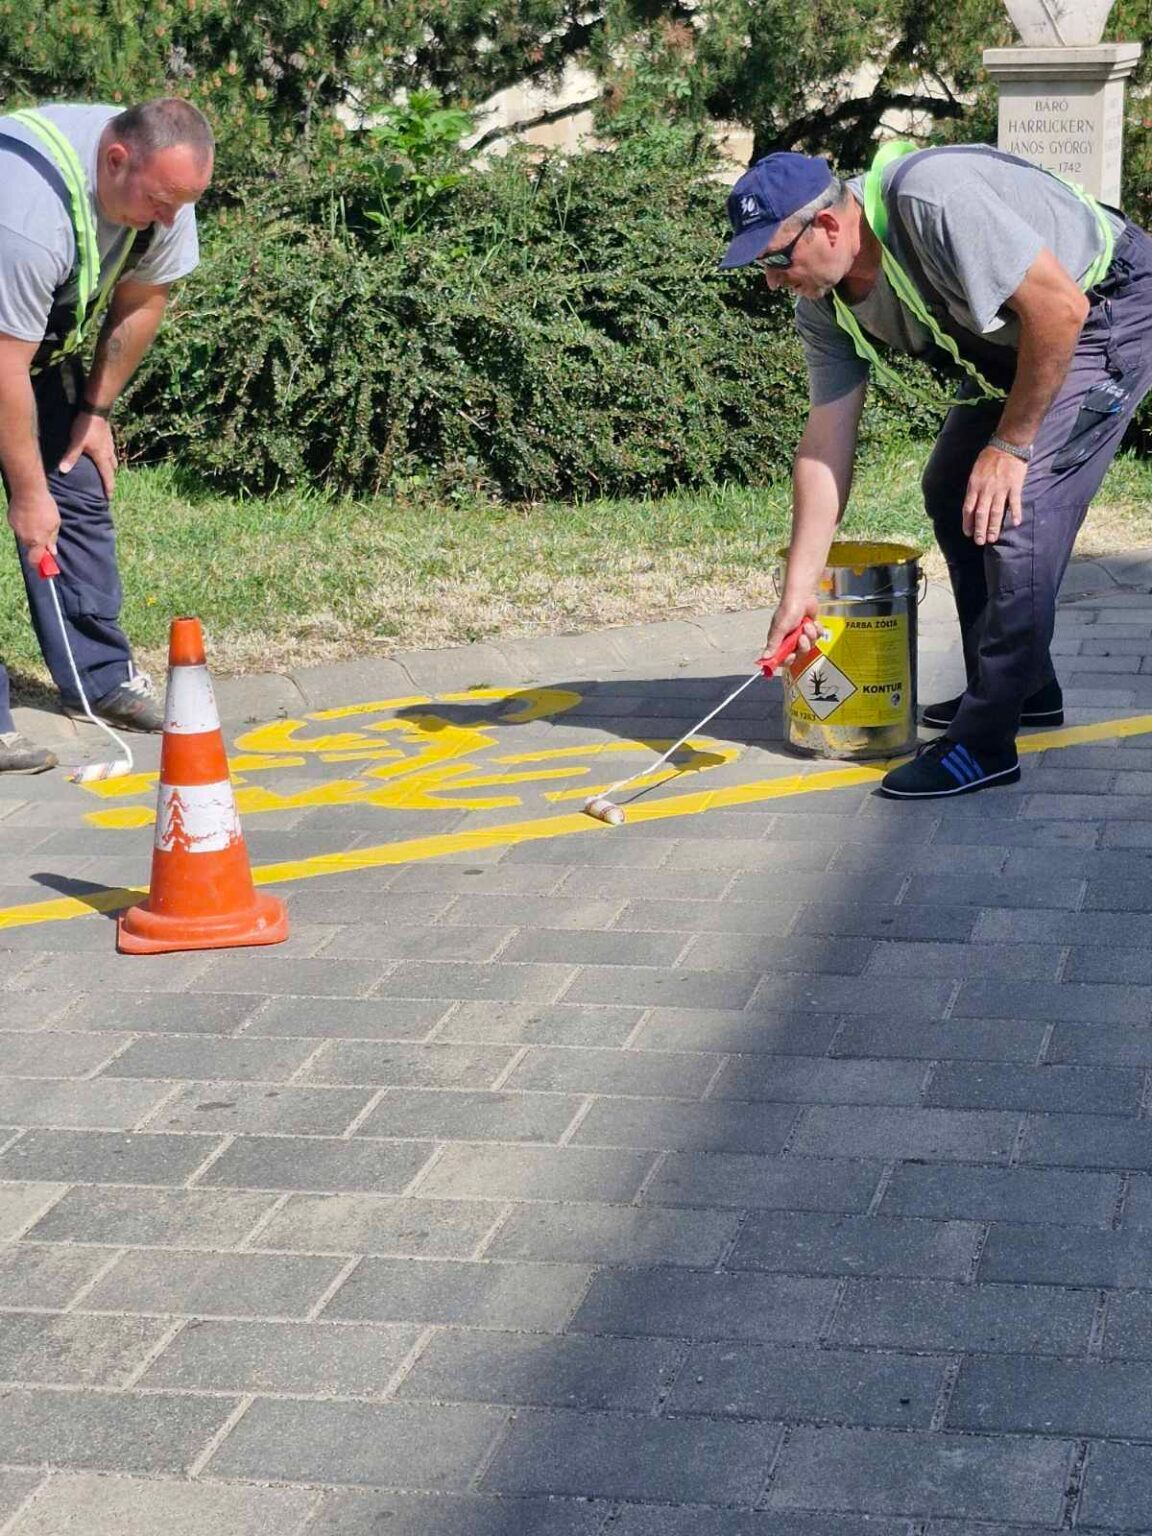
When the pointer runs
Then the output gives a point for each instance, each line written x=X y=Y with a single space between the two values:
x=413 y=850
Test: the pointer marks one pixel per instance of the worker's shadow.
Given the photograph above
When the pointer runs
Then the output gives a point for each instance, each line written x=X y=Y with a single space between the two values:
x=651 y=712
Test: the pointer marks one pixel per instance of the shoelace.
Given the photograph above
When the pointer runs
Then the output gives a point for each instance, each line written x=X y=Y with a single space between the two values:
x=140 y=684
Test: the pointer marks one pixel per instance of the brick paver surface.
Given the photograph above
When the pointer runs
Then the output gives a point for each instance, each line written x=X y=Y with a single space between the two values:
x=778 y=1171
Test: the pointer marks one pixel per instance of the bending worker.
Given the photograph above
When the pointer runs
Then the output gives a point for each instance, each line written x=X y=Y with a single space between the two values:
x=95 y=207
x=1042 y=299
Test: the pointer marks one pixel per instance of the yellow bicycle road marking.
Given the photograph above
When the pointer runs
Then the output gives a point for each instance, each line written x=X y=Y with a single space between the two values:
x=413 y=850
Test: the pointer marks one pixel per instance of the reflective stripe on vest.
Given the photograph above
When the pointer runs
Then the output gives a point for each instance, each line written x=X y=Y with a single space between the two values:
x=909 y=295
x=91 y=293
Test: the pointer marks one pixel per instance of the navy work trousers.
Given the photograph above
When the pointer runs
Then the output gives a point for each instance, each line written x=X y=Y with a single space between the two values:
x=89 y=581
x=1006 y=592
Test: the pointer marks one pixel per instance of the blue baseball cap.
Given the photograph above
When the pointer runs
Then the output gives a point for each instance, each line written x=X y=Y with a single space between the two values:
x=767 y=194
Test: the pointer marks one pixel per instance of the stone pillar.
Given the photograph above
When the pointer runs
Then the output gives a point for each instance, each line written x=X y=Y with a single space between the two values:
x=1063 y=107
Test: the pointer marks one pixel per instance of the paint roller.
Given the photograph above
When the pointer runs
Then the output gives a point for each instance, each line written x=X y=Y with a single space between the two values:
x=84 y=773
x=601 y=807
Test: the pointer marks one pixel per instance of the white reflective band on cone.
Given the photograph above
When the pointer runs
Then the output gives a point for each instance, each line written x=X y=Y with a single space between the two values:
x=190 y=707
x=197 y=819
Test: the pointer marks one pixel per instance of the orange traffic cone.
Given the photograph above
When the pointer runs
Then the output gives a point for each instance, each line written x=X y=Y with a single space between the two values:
x=201 y=895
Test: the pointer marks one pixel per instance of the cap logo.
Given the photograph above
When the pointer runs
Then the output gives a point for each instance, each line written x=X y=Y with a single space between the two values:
x=750 y=207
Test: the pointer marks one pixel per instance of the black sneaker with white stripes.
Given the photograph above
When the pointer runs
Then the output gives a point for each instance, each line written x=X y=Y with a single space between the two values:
x=1044 y=707
x=946 y=767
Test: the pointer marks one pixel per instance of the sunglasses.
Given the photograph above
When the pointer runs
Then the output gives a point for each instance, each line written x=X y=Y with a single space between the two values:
x=783 y=257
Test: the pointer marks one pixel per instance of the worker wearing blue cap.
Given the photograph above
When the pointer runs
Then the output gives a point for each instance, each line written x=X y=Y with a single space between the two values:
x=1040 y=298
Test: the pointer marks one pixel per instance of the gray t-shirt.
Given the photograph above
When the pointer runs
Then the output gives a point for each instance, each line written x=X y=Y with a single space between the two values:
x=975 y=224
x=37 y=242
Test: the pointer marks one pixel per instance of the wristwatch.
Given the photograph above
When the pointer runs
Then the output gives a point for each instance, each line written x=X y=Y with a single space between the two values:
x=1022 y=451
x=103 y=411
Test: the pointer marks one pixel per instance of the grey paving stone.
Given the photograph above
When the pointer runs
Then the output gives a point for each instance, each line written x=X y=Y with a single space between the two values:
x=1087 y=1141
x=137 y=1217
x=88 y=1505
x=958 y=832
x=887 y=1472
x=1059 y=1256
x=313 y=1359
x=1111 y=965
x=1053 y=1002
x=436 y=1229
x=1138 y=1204
x=105 y=1157
x=678 y=1304
x=621 y=884
x=404 y=1514
x=695 y=1520
x=1128 y=1324
x=218 y=1284
x=382 y=1444
x=724 y=1030
x=1053 y=1397
x=740 y=855
x=34 y=1010
x=204 y=1058
x=116 y=1431
x=648 y=1073
x=535 y=1173
x=467 y=1116
x=525 y=1024
x=150 y=1012
x=483 y=1295
x=112 y=973
x=38 y=1349
x=915 y=998
x=254 y=1107
x=420 y=943
x=993 y=891
x=881 y=1131
x=55 y=1053
x=951 y=924
x=1026 y=1195
x=1021 y=962
x=15 y=1487
x=811 y=1243
x=325 y=901
x=844 y=1386
x=32 y=1275
x=479 y=876
x=763 y=1183
x=611 y=852
x=270 y=975
x=618 y=1456
x=1101 y=930
x=694 y=916
x=408 y=1066
x=813 y=955
x=685 y=1127
x=98 y=1104
x=316 y=1163
x=1117 y=1488
x=613 y=1234
x=809 y=888
x=569 y=913
x=22 y=1204
x=816 y=1080
x=561 y=1373
x=348 y=1018
x=1120 y=895
x=462 y=981
x=1051 y=1089
x=654 y=988
x=609 y=946
x=923 y=1314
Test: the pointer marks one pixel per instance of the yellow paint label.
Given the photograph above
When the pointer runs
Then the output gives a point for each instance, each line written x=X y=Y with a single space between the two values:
x=859 y=676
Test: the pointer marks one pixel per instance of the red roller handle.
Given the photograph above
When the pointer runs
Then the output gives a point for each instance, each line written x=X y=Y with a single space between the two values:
x=47 y=565
x=770 y=665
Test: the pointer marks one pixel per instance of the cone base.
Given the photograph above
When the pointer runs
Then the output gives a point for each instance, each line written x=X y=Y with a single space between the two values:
x=141 y=932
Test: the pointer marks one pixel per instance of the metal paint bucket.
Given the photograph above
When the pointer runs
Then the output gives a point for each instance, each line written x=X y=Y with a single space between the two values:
x=855 y=695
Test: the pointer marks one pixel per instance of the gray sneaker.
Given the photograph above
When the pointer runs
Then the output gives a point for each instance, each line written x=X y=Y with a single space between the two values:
x=132 y=706
x=19 y=755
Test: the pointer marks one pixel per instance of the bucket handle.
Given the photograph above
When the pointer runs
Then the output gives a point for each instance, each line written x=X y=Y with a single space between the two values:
x=919 y=592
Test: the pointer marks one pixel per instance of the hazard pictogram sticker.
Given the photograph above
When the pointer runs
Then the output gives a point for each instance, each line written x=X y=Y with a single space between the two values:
x=823 y=687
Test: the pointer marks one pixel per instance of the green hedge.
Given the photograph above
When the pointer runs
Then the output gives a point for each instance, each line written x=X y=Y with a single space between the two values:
x=554 y=330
